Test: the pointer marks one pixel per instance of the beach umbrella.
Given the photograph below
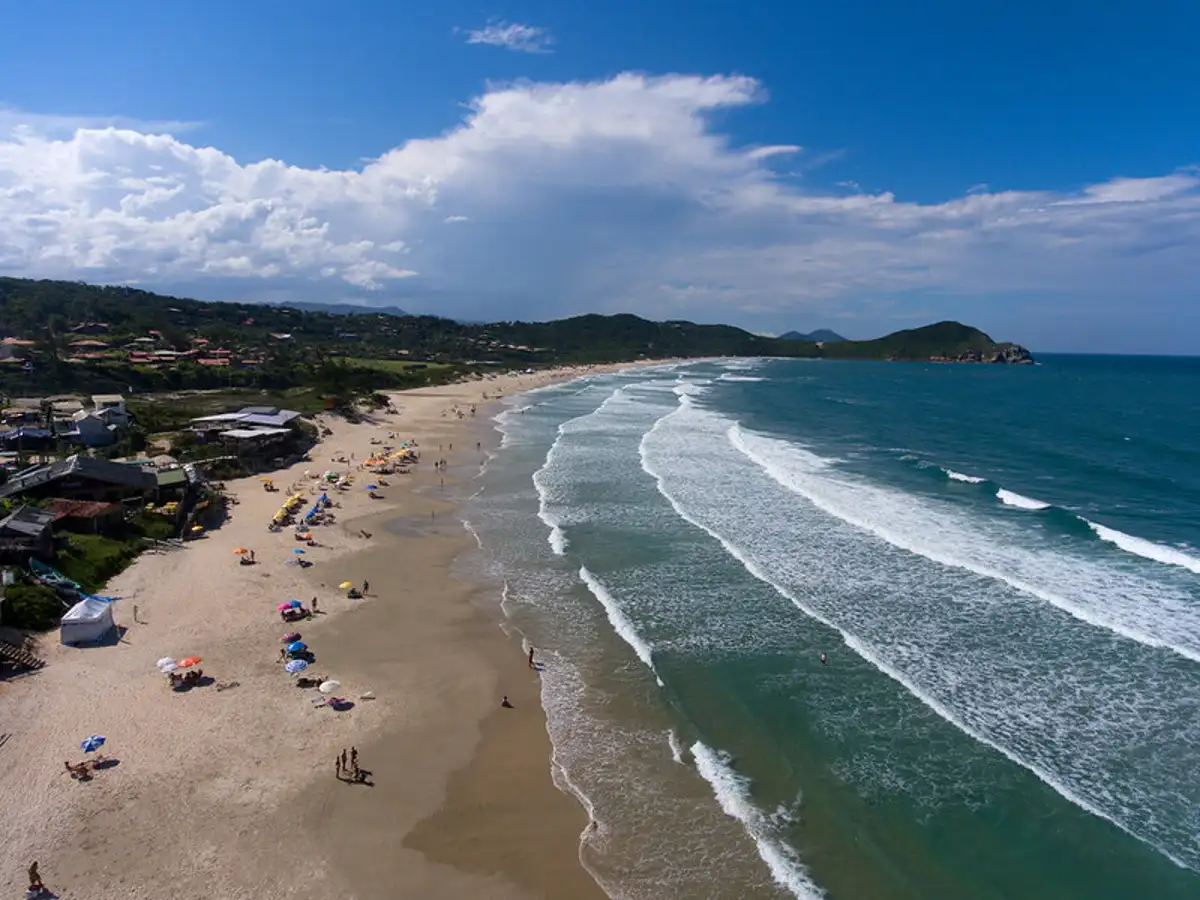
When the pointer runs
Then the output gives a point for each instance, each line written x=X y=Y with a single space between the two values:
x=328 y=687
x=296 y=665
x=290 y=636
x=92 y=744
x=282 y=606
x=240 y=550
x=297 y=647
x=294 y=604
x=298 y=551
x=165 y=661
x=372 y=487
x=346 y=585
x=190 y=661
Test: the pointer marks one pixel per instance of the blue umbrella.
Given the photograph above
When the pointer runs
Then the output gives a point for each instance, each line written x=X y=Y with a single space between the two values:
x=295 y=604
x=297 y=550
x=296 y=647
x=296 y=665
x=372 y=487
x=92 y=744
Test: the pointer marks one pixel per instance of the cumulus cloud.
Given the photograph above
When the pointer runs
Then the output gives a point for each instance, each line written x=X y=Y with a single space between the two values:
x=613 y=195
x=513 y=36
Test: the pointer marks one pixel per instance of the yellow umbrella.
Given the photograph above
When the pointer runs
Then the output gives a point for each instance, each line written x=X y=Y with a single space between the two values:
x=346 y=585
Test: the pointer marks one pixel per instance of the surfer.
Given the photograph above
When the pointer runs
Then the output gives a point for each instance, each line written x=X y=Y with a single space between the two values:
x=824 y=659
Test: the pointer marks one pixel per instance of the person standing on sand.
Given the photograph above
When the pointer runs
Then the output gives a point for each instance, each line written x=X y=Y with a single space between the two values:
x=366 y=587
x=35 y=878
x=531 y=657
x=343 y=757
x=354 y=758
x=337 y=767
x=314 y=606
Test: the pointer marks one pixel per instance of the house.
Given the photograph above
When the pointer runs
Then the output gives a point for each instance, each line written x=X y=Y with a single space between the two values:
x=82 y=478
x=247 y=417
x=113 y=406
x=91 y=430
x=86 y=515
x=90 y=328
x=27 y=532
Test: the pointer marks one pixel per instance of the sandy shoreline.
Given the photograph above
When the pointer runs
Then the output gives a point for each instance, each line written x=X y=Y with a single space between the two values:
x=232 y=794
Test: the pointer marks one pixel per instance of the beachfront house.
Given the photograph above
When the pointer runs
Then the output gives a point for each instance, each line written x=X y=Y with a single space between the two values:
x=90 y=430
x=83 y=478
x=111 y=408
x=260 y=418
x=86 y=516
x=27 y=532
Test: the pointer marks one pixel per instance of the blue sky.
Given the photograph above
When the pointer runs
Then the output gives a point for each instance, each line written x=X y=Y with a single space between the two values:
x=864 y=166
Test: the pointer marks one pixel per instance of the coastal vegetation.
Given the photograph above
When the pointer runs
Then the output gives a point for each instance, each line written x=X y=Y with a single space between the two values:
x=61 y=335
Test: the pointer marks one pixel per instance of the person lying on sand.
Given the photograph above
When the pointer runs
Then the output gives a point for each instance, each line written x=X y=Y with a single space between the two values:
x=79 y=771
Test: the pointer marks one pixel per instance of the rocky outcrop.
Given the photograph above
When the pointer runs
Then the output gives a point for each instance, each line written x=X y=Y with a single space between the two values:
x=1013 y=354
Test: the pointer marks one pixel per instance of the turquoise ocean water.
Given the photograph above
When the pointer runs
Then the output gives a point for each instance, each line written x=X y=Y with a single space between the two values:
x=1002 y=566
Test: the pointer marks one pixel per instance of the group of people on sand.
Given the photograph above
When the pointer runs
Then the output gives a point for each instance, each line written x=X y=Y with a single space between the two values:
x=185 y=679
x=348 y=770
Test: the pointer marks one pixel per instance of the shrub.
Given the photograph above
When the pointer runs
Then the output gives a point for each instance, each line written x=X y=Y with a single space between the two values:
x=33 y=607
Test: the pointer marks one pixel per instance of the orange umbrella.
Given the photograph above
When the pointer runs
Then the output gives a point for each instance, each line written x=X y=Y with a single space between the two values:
x=240 y=550
x=190 y=661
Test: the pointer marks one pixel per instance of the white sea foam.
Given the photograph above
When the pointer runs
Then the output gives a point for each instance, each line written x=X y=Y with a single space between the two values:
x=471 y=530
x=732 y=792
x=959 y=476
x=1132 y=607
x=1144 y=548
x=729 y=376
x=943 y=638
x=1008 y=498
x=619 y=621
x=673 y=743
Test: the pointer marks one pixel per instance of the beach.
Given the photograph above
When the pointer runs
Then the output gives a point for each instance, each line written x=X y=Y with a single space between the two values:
x=232 y=792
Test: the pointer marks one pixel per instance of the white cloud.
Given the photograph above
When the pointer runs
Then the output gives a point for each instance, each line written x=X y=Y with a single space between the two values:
x=581 y=196
x=513 y=36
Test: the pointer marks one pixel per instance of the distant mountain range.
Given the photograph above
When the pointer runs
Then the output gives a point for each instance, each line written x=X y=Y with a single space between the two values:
x=342 y=309
x=820 y=336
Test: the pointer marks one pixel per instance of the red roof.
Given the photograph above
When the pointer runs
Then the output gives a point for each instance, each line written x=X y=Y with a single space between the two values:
x=81 y=509
x=213 y=362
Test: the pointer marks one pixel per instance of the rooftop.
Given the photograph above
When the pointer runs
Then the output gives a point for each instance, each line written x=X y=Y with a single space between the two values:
x=79 y=467
x=28 y=520
x=243 y=434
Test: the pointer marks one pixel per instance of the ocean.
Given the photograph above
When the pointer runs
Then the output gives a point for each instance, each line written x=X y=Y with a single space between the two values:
x=1001 y=566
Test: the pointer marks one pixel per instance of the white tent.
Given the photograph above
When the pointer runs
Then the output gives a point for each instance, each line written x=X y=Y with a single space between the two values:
x=88 y=620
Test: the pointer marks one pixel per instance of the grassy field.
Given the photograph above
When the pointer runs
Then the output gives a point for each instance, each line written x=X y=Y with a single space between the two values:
x=169 y=411
x=394 y=365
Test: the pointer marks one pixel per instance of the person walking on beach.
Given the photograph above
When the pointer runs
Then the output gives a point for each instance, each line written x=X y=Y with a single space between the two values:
x=354 y=758
x=366 y=587
x=531 y=658
x=314 y=606
x=35 y=878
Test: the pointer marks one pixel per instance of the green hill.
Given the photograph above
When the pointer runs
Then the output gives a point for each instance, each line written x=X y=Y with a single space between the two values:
x=943 y=342
x=821 y=335
x=82 y=337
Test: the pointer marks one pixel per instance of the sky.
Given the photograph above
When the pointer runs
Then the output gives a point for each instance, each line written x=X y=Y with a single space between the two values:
x=1029 y=168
